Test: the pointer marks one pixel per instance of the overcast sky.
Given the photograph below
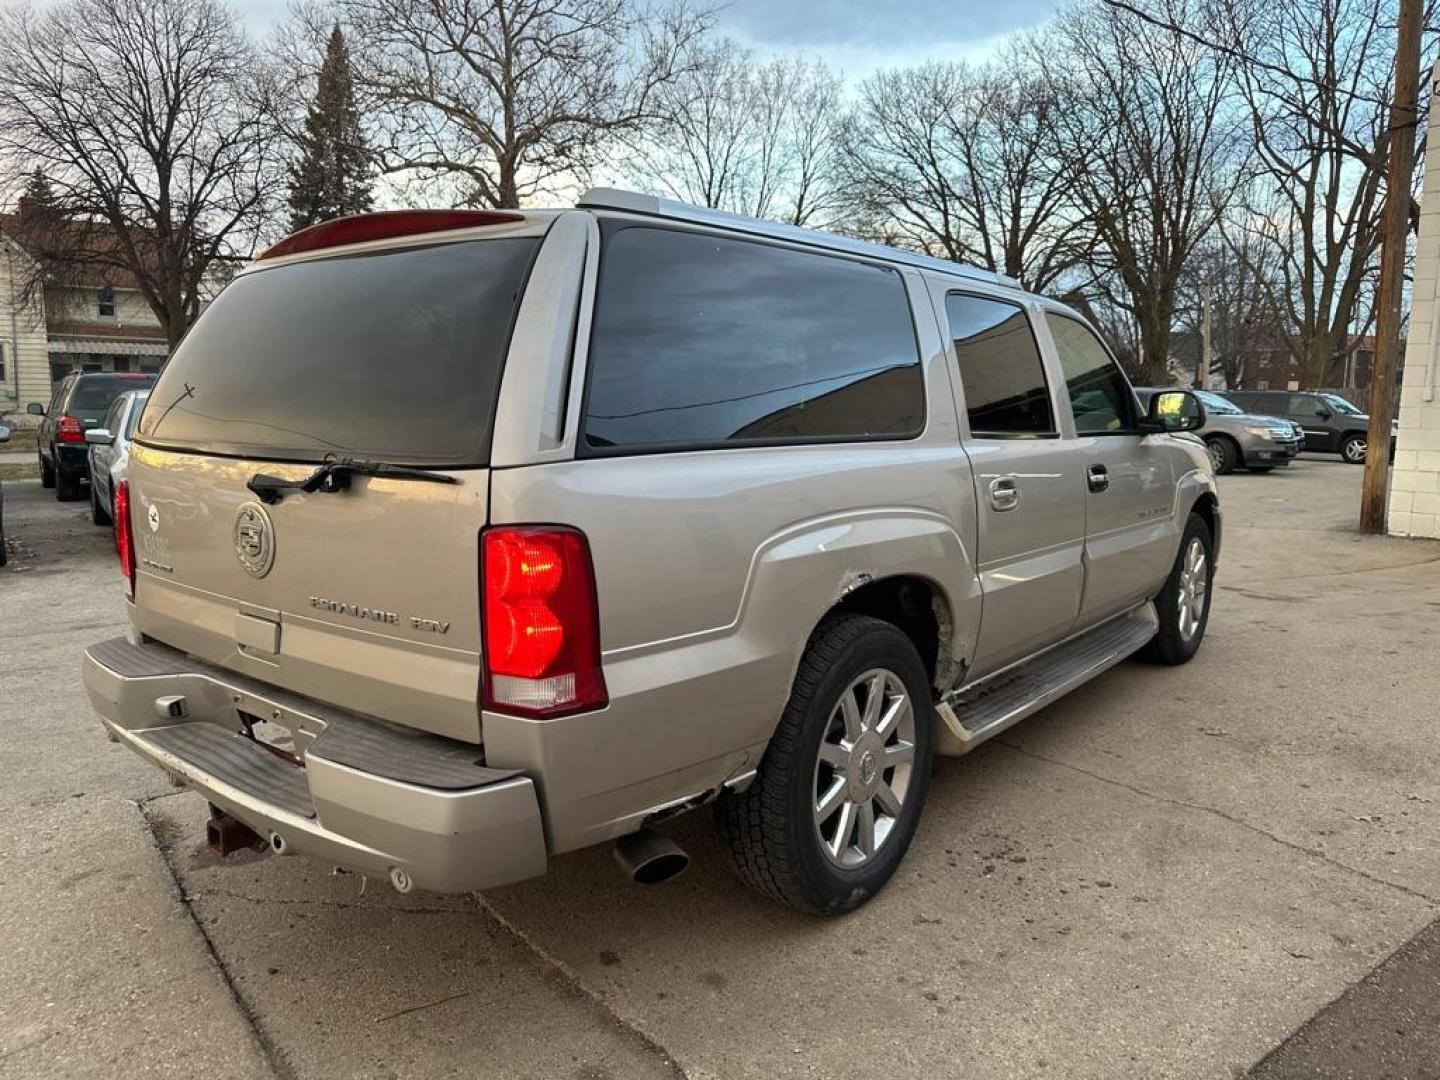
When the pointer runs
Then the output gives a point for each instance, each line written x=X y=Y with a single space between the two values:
x=856 y=37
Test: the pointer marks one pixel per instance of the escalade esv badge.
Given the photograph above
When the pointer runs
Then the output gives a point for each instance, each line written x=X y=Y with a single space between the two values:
x=254 y=538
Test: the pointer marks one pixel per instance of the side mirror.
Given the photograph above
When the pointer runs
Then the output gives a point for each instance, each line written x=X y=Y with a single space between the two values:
x=35 y=409
x=4 y=433
x=99 y=436
x=1173 y=411
x=1324 y=414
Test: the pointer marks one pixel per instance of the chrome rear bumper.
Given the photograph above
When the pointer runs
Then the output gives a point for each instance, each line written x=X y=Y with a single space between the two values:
x=371 y=797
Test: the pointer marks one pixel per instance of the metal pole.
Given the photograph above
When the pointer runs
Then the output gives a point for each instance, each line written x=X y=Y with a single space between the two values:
x=1202 y=377
x=1395 y=227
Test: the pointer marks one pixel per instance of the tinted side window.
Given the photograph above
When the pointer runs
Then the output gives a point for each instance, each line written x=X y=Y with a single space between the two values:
x=1000 y=368
x=1305 y=407
x=112 y=418
x=702 y=340
x=1100 y=396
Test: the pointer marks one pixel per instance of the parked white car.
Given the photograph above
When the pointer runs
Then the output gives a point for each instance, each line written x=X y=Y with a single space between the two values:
x=110 y=452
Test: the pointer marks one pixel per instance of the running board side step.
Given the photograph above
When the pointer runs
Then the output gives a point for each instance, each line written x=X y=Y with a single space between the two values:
x=972 y=714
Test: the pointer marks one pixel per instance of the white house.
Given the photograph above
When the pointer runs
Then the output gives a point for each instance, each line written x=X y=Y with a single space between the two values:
x=97 y=321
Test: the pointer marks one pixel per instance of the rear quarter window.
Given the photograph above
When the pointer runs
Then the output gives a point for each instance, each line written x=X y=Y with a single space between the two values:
x=706 y=341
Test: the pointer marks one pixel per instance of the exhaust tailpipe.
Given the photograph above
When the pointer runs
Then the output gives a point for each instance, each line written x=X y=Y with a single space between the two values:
x=650 y=858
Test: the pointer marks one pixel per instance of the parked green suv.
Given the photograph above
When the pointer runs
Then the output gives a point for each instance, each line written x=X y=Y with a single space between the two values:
x=80 y=401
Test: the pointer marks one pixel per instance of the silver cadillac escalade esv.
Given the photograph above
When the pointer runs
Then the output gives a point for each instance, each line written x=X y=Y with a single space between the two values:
x=455 y=540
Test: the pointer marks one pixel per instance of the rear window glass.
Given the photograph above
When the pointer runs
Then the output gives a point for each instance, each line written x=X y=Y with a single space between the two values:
x=96 y=393
x=702 y=340
x=393 y=356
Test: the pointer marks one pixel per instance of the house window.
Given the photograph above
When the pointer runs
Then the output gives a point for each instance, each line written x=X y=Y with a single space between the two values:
x=1263 y=384
x=107 y=303
x=121 y=363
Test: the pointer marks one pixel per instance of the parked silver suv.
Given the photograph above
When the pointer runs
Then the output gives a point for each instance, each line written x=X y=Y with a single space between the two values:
x=456 y=540
x=1240 y=440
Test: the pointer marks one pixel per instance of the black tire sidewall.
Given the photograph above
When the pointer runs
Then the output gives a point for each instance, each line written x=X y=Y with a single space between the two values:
x=1168 y=646
x=827 y=886
x=1228 y=454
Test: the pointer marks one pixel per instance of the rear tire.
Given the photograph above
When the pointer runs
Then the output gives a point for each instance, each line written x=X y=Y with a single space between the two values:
x=67 y=486
x=836 y=800
x=1352 y=449
x=97 y=512
x=1223 y=455
x=47 y=474
x=1184 y=602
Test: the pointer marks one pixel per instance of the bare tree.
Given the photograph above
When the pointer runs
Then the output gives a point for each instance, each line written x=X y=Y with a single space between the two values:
x=1244 y=320
x=738 y=135
x=148 y=120
x=962 y=163
x=488 y=102
x=1148 y=153
x=1315 y=83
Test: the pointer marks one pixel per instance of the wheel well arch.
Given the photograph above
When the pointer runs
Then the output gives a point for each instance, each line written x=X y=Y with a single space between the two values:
x=1208 y=507
x=919 y=609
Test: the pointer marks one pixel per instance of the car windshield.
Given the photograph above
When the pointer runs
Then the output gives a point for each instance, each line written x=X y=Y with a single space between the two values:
x=1340 y=405
x=1216 y=404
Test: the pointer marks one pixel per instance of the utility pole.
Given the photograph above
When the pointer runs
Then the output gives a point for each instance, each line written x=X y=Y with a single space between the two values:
x=1202 y=377
x=1395 y=226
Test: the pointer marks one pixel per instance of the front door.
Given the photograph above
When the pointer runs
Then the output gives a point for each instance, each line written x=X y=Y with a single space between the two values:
x=1029 y=485
x=1130 y=531
x=1318 y=421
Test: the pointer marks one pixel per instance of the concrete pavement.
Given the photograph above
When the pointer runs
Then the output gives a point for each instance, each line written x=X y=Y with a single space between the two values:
x=1166 y=874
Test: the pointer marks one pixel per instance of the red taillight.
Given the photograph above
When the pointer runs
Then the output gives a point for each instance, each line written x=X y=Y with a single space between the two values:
x=384 y=226
x=541 y=622
x=124 y=538
x=68 y=429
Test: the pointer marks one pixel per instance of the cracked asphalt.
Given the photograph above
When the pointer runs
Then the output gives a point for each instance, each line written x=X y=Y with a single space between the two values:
x=1223 y=869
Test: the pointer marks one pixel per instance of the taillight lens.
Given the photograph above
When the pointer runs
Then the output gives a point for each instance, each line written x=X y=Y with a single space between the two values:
x=68 y=429
x=541 y=622
x=124 y=538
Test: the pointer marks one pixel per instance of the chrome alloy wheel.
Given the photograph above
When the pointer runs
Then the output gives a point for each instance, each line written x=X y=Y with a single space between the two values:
x=1217 y=455
x=862 y=773
x=1194 y=584
x=1354 y=450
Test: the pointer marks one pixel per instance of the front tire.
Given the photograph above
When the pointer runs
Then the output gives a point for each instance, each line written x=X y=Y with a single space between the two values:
x=1184 y=602
x=1223 y=455
x=838 y=795
x=1353 y=448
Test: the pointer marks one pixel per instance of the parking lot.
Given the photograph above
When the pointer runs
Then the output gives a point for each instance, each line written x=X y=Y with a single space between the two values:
x=1169 y=873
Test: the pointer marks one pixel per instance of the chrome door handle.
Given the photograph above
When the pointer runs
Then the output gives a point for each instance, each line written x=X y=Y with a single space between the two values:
x=1004 y=493
x=1098 y=477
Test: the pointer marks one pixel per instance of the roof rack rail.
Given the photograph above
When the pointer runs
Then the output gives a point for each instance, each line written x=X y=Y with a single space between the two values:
x=632 y=202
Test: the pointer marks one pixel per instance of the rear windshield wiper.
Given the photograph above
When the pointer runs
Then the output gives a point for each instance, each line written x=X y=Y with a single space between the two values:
x=335 y=475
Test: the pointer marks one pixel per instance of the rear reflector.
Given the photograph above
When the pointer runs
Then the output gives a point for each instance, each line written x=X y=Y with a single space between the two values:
x=69 y=430
x=541 y=622
x=385 y=225
x=124 y=538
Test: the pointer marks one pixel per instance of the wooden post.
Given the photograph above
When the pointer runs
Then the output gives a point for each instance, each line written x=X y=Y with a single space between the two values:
x=1395 y=227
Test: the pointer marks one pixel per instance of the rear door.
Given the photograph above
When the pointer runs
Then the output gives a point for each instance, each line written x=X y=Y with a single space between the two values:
x=1130 y=532
x=365 y=597
x=1029 y=488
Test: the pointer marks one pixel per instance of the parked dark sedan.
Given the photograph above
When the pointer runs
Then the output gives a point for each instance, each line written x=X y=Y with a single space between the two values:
x=79 y=402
